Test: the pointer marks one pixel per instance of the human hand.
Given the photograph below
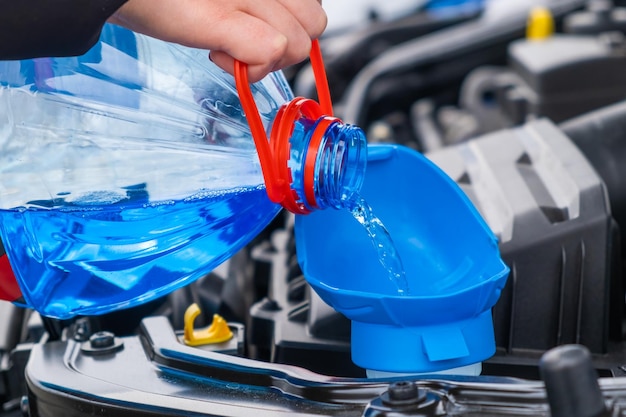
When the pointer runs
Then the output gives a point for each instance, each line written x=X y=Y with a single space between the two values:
x=265 y=34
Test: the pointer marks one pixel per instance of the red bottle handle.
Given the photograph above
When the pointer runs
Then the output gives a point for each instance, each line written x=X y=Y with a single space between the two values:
x=274 y=154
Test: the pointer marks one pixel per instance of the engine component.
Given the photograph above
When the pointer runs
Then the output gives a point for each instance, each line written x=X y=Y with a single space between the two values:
x=154 y=374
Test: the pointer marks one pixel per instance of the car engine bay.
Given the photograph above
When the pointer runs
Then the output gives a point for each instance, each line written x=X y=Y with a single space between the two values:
x=532 y=131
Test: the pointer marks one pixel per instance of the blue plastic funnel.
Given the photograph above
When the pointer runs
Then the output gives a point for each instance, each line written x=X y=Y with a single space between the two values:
x=451 y=258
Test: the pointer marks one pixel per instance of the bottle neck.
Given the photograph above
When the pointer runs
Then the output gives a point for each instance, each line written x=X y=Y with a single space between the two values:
x=306 y=165
x=327 y=162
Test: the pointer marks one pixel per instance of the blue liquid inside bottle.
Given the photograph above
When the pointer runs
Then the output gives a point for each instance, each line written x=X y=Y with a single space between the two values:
x=126 y=173
x=131 y=171
x=90 y=258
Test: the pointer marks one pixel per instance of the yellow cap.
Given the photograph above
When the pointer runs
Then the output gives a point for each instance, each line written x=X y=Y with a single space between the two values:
x=540 y=24
x=217 y=332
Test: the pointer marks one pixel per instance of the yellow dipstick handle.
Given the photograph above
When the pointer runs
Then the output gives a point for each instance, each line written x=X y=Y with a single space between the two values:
x=540 y=24
x=217 y=332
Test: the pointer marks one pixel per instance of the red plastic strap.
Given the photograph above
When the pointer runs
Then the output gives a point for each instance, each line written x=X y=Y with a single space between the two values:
x=9 y=289
x=321 y=82
x=274 y=154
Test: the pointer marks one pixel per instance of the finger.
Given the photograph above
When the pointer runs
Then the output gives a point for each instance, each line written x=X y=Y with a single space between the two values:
x=256 y=72
x=258 y=44
x=309 y=14
x=282 y=41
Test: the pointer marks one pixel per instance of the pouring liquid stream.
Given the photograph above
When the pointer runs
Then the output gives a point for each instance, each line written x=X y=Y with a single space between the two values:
x=383 y=243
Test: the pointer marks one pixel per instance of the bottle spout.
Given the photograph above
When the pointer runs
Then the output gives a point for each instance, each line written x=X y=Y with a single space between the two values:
x=305 y=139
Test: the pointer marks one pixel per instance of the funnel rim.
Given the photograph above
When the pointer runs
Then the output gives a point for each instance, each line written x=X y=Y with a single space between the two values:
x=502 y=274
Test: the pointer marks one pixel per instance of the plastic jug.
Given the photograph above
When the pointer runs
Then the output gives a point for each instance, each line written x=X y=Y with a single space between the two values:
x=451 y=259
x=130 y=171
